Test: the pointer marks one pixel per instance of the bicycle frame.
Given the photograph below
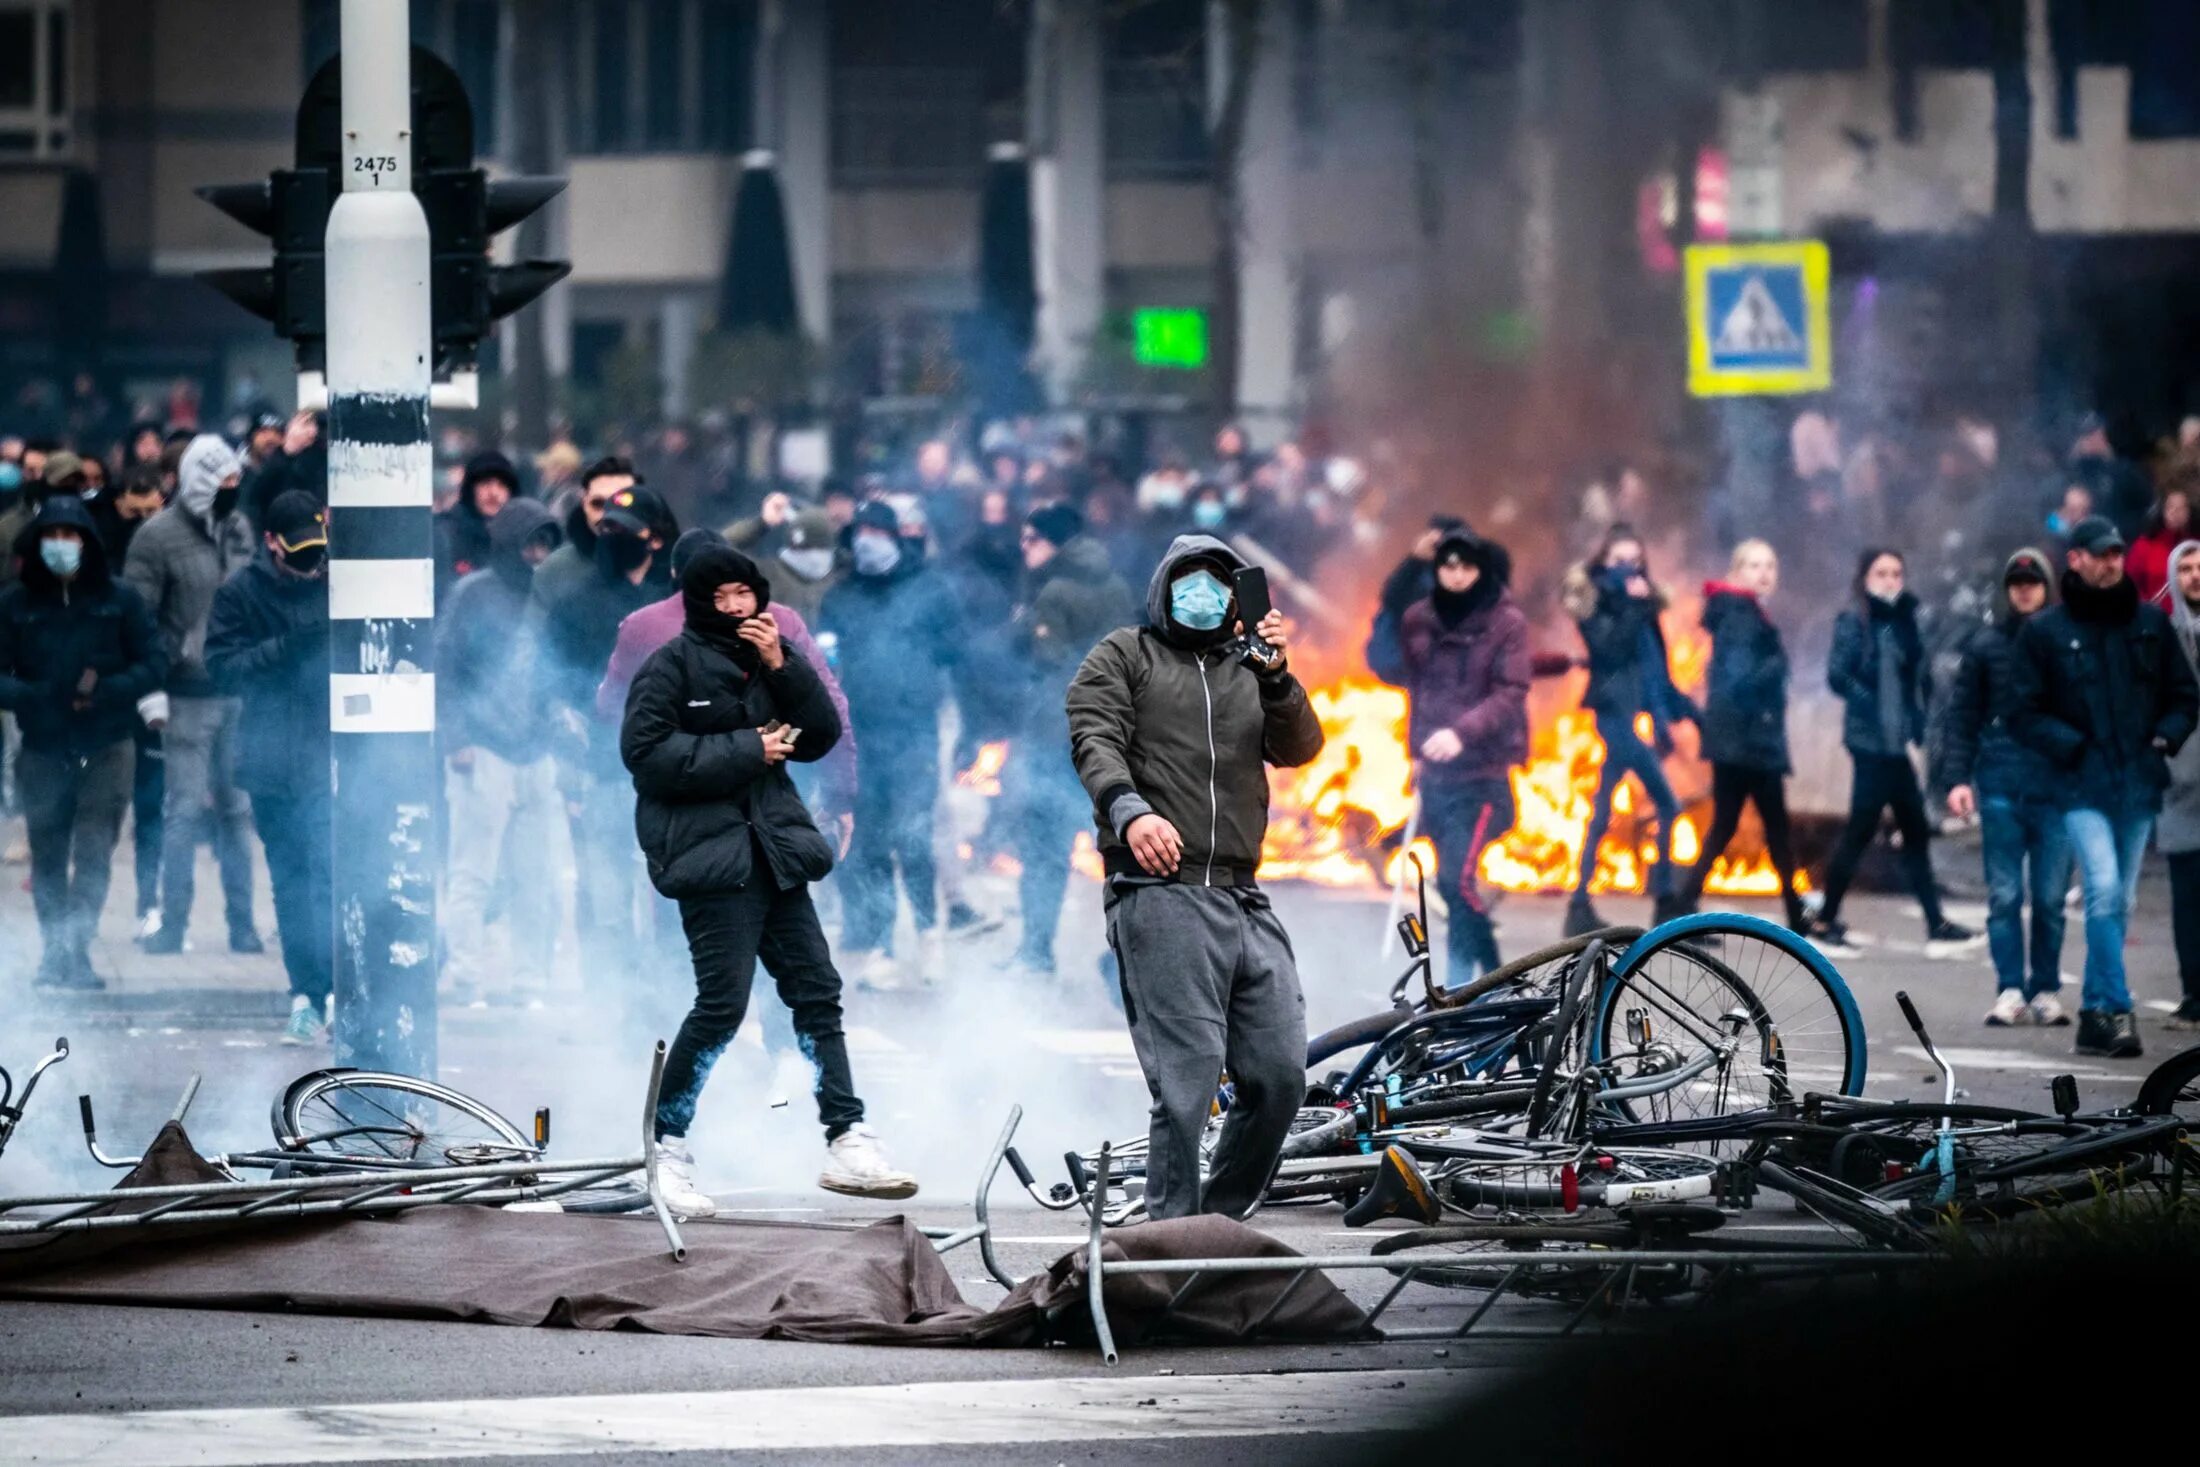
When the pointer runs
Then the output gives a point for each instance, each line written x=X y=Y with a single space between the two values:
x=11 y=1109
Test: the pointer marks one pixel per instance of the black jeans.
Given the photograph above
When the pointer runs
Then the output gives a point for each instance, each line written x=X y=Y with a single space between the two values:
x=295 y=831
x=727 y=933
x=1462 y=819
x=1625 y=754
x=1881 y=782
x=73 y=806
x=2184 y=912
x=1732 y=786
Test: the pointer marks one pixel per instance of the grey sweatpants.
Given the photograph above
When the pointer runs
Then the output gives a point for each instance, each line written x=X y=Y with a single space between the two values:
x=1209 y=983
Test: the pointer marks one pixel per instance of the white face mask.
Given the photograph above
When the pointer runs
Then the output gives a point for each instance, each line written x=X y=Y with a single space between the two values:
x=813 y=564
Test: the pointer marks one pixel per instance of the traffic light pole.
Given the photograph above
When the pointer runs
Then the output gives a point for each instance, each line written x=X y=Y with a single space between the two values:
x=381 y=563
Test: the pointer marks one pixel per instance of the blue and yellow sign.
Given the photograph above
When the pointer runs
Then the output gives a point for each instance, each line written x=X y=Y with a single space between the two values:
x=1758 y=319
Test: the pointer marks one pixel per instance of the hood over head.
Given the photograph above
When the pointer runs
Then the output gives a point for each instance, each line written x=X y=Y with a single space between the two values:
x=689 y=545
x=710 y=567
x=2181 y=615
x=1182 y=551
x=207 y=460
x=512 y=529
x=486 y=465
x=62 y=509
x=1487 y=557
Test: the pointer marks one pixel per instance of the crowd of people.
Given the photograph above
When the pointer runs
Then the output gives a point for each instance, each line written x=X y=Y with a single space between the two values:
x=712 y=715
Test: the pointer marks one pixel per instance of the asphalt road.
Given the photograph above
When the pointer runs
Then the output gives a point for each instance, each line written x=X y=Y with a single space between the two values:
x=941 y=1071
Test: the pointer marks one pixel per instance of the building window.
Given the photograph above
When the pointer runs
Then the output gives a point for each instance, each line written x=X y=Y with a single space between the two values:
x=1154 y=107
x=663 y=76
x=34 y=79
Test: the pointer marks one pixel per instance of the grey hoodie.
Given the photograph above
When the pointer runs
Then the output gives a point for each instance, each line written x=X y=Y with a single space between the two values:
x=181 y=557
x=2178 y=830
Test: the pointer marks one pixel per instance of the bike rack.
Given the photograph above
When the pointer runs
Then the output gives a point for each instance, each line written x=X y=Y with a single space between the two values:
x=364 y=1190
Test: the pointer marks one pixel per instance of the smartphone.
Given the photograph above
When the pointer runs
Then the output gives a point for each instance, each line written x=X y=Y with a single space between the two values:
x=1251 y=586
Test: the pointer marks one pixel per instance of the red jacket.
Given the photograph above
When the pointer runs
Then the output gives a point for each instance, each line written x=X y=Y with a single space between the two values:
x=1471 y=678
x=659 y=622
x=2147 y=563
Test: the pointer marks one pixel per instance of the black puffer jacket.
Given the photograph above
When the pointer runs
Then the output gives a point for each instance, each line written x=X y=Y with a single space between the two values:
x=1746 y=693
x=51 y=634
x=1627 y=655
x=1852 y=671
x=707 y=800
x=2098 y=680
x=267 y=642
x=1975 y=745
x=1183 y=731
x=1076 y=598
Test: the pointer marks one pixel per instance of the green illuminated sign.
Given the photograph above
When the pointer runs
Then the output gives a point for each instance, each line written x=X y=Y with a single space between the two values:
x=1170 y=337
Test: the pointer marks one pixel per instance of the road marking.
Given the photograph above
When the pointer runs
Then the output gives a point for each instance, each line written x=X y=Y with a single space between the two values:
x=933 y=1413
x=2010 y=1059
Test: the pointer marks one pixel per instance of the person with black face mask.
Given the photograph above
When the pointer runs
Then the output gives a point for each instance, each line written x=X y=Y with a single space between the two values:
x=710 y=723
x=176 y=563
x=1878 y=668
x=267 y=645
x=1463 y=653
x=500 y=783
x=571 y=648
x=1172 y=725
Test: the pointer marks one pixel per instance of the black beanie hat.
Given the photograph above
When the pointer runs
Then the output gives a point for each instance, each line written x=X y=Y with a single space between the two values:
x=1058 y=524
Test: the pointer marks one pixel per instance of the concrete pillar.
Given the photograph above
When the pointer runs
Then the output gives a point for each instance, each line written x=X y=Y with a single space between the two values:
x=679 y=323
x=793 y=119
x=1065 y=135
x=1268 y=270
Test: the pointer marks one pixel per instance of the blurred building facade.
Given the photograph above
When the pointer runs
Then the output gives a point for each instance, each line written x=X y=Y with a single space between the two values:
x=1469 y=145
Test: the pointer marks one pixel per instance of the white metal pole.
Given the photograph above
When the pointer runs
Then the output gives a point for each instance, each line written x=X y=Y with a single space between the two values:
x=381 y=570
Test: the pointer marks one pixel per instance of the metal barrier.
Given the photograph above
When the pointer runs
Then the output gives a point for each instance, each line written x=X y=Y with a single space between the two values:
x=366 y=1189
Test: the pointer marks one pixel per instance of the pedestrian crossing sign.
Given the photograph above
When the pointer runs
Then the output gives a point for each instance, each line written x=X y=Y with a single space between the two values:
x=1758 y=319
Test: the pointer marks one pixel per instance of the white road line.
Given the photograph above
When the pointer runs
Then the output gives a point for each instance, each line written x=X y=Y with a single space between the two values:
x=1965 y=1058
x=826 y=1418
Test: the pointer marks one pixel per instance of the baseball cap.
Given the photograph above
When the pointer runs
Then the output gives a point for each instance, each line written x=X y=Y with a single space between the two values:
x=61 y=464
x=296 y=520
x=2096 y=535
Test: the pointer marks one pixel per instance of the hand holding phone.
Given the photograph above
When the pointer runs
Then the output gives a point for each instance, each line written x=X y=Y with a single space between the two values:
x=1257 y=614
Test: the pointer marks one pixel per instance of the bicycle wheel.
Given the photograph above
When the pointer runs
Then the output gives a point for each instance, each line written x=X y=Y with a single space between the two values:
x=1694 y=977
x=371 y=1116
x=2173 y=1089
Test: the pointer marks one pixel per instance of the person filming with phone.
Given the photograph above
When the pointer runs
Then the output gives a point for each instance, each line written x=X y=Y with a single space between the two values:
x=1171 y=724
x=711 y=721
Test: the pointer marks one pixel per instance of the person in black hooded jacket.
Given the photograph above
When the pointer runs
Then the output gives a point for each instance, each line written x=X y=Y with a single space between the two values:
x=711 y=721
x=1878 y=668
x=1745 y=722
x=77 y=652
x=462 y=543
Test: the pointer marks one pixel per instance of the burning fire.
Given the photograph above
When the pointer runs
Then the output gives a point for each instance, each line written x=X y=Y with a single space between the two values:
x=1341 y=820
x=984 y=773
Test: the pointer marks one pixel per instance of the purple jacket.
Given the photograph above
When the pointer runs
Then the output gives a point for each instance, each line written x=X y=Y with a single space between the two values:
x=659 y=622
x=1473 y=680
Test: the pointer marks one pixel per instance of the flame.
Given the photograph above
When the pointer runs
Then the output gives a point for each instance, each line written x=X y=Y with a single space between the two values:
x=984 y=773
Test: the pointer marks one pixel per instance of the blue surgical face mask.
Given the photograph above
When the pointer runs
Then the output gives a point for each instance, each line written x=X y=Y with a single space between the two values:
x=876 y=555
x=1198 y=601
x=1209 y=514
x=11 y=476
x=63 y=557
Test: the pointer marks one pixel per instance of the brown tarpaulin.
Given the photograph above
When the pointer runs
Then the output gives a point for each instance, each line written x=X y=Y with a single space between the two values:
x=880 y=1285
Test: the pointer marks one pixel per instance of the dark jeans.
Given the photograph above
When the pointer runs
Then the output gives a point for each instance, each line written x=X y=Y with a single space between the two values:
x=1461 y=820
x=727 y=934
x=73 y=806
x=147 y=785
x=1050 y=808
x=1624 y=754
x=295 y=831
x=897 y=786
x=2013 y=833
x=1732 y=786
x=1881 y=782
x=2184 y=914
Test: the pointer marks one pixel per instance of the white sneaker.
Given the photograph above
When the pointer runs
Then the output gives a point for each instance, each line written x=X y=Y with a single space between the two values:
x=855 y=1165
x=676 y=1180
x=149 y=923
x=2048 y=1012
x=879 y=973
x=2009 y=1010
x=931 y=959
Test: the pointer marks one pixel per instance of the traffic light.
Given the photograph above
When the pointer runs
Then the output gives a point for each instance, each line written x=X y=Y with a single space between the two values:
x=465 y=209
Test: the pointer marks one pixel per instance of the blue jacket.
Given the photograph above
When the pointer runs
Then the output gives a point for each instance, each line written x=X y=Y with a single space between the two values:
x=894 y=639
x=1976 y=745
